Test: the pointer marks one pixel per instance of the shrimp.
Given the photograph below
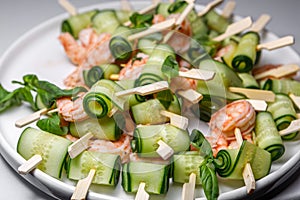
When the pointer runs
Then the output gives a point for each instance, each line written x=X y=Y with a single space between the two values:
x=133 y=69
x=121 y=147
x=75 y=52
x=71 y=111
x=238 y=114
x=158 y=18
x=97 y=54
x=221 y=52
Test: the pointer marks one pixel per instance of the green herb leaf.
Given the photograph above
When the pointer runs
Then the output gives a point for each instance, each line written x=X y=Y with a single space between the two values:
x=209 y=180
x=165 y=97
x=170 y=67
x=199 y=141
x=52 y=125
x=141 y=20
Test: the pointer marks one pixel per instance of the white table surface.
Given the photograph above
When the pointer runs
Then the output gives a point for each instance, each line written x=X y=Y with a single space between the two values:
x=17 y=17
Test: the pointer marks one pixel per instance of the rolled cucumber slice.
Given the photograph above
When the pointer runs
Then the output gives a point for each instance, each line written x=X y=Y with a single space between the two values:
x=146 y=138
x=155 y=177
x=52 y=148
x=107 y=167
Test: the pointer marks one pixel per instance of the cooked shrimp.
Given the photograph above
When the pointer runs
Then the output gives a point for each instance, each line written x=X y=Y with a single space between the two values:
x=132 y=70
x=238 y=114
x=97 y=54
x=71 y=111
x=121 y=147
x=158 y=18
x=75 y=52
x=88 y=38
x=221 y=52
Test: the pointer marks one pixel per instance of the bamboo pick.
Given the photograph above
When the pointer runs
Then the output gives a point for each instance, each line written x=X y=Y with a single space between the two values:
x=191 y=95
x=179 y=20
x=68 y=7
x=257 y=94
x=260 y=23
x=125 y=5
x=82 y=186
x=234 y=28
x=228 y=9
x=153 y=29
x=30 y=164
x=295 y=99
x=80 y=145
x=114 y=77
x=188 y=191
x=281 y=42
x=146 y=89
x=279 y=72
x=144 y=11
x=293 y=127
x=209 y=6
x=258 y=105
x=176 y=120
x=156 y=1
x=141 y=193
x=164 y=150
x=198 y=74
x=31 y=118
x=247 y=172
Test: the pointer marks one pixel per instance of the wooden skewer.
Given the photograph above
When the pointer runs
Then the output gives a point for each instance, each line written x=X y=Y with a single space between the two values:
x=80 y=145
x=164 y=150
x=235 y=28
x=176 y=120
x=209 y=6
x=191 y=95
x=68 y=7
x=258 y=105
x=293 y=127
x=279 y=72
x=281 y=42
x=295 y=99
x=260 y=23
x=153 y=29
x=31 y=118
x=189 y=188
x=257 y=94
x=228 y=9
x=83 y=186
x=125 y=5
x=179 y=21
x=141 y=193
x=198 y=74
x=155 y=1
x=247 y=172
x=144 y=11
x=146 y=89
x=30 y=164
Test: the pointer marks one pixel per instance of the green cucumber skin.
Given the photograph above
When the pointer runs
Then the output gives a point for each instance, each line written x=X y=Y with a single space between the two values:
x=105 y=21
x=107 y=167
x=103 y=129
x=184 y=165
x=52 y=148
x=146 y=138
x=155 y=177
x=246 y=55
x=216 y=22
x=267 y=136
x=284 y=86
x=248 y=81
x=75 y=24
x=148 y=112
x=230 y=163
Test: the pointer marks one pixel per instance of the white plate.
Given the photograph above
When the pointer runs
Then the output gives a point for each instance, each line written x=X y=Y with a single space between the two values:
x=39 y=52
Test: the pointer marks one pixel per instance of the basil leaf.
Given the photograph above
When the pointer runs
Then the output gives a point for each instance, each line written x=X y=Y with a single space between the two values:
x=199 y=141
x=141 y=20
x=170 y=67
x=165 y=97
x=209 y=180
x=52 y=125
